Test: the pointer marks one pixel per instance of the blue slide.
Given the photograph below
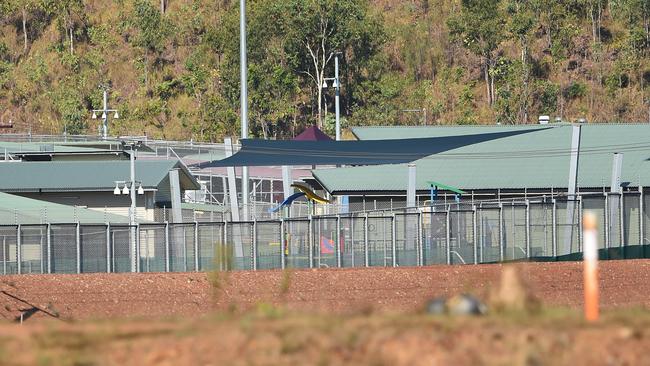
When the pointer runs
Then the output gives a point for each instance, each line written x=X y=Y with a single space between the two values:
x=287 y=201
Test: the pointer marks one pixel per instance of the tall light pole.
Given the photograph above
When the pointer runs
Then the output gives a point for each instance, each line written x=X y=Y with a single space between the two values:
x=131 y=148
x=105 y=112
x=243 y=73
x=337 y=87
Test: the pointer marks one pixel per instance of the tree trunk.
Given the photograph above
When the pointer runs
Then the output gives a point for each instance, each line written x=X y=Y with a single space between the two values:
x=162 y=6
x=25 y=30
x=71 y=42
x=320 y=105
x=487 y=81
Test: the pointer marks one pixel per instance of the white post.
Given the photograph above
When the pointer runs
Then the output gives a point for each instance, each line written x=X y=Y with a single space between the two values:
x=337 y=97
x=105 y=116
x=410 y=193
x=243 y=73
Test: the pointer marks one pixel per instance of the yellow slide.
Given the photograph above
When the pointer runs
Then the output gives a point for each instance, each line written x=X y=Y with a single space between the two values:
x=309 y=193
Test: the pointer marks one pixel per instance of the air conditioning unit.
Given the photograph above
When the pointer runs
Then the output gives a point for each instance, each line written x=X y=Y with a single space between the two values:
x=544 y=120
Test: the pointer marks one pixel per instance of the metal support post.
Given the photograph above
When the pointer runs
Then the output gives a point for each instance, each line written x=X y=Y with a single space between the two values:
x=474 y=236
x=501 y=241
x=320 y=249
x=352 y=250
x=528 y=253
x=19 y=254
x=283 y=245
x=197 y=254
x=310 y=229
x=338 y=242
x=554 y=230
x=254 y=251
x=78 y=237
x=448 y=234
x=641 y=213
x=49 y=248
x=419 y=241
x=394 y=241
x=222 y=260
x=607 y=218
x=366 y=254
x=580 y=229
x=166 y=246
x=137 y=249
x=4 y=255
x=108 y=247
x=621 y=222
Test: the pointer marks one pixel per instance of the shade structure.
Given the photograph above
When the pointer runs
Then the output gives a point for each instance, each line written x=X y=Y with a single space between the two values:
x=312 y=133
x=370 y=152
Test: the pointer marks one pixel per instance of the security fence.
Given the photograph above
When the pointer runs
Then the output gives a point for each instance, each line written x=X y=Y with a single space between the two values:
x=460 y=233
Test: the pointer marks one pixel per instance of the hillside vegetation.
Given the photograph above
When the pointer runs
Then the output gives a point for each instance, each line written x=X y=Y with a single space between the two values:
x=172 y=66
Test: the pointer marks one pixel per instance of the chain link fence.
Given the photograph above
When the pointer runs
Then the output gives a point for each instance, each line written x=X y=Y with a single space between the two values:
x=542 y=229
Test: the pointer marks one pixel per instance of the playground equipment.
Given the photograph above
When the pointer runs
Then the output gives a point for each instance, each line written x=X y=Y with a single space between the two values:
x=304 y=191
x=309 y=193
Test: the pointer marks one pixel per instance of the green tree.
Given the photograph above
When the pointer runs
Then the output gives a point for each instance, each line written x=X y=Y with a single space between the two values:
x=479 y=26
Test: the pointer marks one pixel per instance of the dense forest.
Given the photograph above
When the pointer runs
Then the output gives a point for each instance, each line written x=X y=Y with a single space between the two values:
x=172 y=66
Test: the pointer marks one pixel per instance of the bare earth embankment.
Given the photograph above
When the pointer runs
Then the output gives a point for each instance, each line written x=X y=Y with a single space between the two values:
x=347 y=316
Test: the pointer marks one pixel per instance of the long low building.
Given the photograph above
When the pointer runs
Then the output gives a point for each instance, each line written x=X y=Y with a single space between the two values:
x=534 y=163
x=92 y=184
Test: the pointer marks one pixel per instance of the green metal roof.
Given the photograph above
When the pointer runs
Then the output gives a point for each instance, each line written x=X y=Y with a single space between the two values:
x=22 y=147
x=87 y=175
x=535 y=160
x=30 y=211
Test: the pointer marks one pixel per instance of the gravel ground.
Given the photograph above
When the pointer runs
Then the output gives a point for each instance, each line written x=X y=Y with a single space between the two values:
x=102 y=296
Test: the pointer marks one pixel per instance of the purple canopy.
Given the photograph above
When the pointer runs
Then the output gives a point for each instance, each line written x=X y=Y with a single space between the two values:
x=312 y=134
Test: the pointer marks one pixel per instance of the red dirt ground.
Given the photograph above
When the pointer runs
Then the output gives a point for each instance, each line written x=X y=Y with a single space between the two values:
x=323 y=317
x=101 y=296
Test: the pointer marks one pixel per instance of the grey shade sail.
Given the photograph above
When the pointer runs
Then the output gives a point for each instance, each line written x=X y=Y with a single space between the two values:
x=367 y=152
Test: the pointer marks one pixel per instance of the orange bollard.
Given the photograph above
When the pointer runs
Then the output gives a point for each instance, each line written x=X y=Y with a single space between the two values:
x=590 y=256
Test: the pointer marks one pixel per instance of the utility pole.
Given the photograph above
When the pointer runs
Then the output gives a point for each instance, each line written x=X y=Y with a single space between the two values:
x=338 y=89
x=243 y=73
x=105 y=110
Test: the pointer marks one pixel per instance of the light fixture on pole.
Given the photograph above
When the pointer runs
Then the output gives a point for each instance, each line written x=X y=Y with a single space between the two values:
x=336 y=85
x=104 y=111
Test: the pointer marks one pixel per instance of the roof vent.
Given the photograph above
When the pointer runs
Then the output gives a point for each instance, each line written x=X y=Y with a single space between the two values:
x=543 y=120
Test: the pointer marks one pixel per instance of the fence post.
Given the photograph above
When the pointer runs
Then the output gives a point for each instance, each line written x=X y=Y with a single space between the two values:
x=49 y=248
x=353 y=250
x=310 y=230
x=4 y=253
x=641 y=224
x=196 y=246
x=366 y=254
x=166 y=246
x=501 y=241
x=419 y=241
x=580 y=228
x=607 y=218
x=78 y=237
x=338 y=242
x=621 y=222
x=474 y=234
x=282 y=245
x=394 y=241
x=224 y=246
x=138 y=266
x=447 y=234
x=528 y=253
x=554 y=230
x=254 y=251
x=19 y=254
x=108 y=247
